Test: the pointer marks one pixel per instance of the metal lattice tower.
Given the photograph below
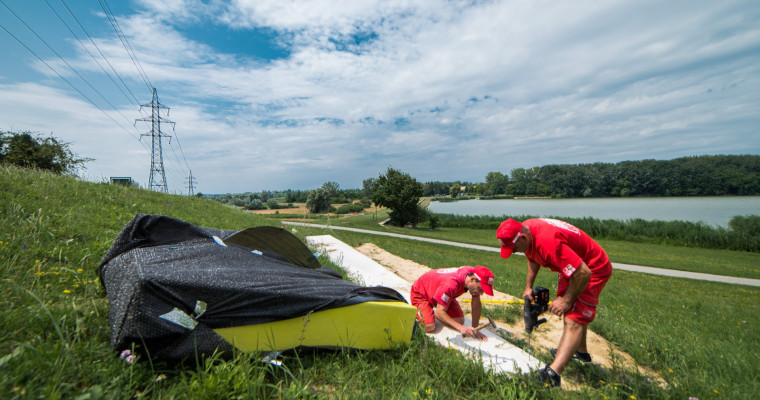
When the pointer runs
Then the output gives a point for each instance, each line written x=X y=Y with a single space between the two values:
x=190 y=182
x=157 y=180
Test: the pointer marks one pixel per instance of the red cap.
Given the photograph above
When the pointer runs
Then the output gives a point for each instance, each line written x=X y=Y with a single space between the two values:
x=508 y=233
x=486 y=279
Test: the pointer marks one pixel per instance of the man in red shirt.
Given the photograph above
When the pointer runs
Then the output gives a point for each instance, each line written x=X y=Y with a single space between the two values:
x=435 y=292
x=583 y=269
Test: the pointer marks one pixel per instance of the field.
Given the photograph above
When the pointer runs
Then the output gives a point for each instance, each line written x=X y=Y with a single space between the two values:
x=54 y=331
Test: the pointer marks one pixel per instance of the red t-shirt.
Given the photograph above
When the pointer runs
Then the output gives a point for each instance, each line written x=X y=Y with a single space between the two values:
x=441 y=286
x=562 y=247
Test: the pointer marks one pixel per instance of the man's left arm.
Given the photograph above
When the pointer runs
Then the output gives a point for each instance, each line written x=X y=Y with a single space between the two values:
x=476 y=310
x=576 y=284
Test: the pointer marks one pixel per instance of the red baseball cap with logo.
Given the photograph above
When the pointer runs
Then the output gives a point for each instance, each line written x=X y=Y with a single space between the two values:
x=486 y=279
x=508 y=233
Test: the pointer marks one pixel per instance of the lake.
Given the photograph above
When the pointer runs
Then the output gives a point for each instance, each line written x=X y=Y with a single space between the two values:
x=715 y=211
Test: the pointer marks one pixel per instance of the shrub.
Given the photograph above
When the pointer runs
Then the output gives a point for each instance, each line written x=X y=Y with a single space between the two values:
x=350 y=208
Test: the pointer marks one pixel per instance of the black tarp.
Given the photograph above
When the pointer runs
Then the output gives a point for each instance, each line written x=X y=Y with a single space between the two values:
x=214 y=279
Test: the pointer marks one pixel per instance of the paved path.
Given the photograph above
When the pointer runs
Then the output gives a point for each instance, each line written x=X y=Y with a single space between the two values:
x=625 y=267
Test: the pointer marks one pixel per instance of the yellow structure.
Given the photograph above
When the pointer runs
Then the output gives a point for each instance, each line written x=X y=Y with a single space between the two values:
x=368 y=325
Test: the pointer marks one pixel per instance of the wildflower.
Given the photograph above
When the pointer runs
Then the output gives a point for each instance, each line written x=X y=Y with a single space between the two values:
x=130 y=359
x=160 y=378
x=715 y=391
x=428 y=391
x=124 y=354
x=80 y=270
x=633 y=397
x=602 y=380
x=37 y=261
x=693 y=398
x=38 y=273
x=67 y=291
x=670 y=370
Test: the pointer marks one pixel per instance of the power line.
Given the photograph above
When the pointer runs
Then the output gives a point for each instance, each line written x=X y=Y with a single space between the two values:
x=65 y=80
x=157 y=156
x=136 y=101
x=62 y=59
x=125 y=43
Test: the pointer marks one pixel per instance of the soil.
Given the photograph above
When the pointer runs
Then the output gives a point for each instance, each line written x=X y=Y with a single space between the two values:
x=545 y=337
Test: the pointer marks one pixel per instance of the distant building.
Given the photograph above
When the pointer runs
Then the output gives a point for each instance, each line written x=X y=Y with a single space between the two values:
x=122 y=180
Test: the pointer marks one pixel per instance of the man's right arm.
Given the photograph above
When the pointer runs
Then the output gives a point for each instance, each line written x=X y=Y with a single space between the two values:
x=443 y=316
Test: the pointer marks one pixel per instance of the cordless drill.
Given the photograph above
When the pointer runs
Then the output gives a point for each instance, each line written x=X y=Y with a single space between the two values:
x=532 y=310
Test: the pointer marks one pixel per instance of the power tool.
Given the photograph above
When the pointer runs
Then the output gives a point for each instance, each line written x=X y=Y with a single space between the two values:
x=531 y=310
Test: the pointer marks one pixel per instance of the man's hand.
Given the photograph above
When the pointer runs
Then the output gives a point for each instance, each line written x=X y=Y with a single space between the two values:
x=468 y=331
x=559 y=306
x=528 y=292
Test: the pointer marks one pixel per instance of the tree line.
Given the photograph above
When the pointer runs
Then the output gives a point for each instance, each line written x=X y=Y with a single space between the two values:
x=686 y=176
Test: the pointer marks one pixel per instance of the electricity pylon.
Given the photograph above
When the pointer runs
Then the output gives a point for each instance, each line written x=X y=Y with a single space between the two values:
x=190 y=182
x=157 y=180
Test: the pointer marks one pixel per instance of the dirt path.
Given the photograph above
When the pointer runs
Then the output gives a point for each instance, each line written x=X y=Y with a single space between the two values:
x=545 y=337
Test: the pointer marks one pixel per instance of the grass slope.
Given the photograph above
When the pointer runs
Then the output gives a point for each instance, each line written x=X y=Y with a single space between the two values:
x=54 y=331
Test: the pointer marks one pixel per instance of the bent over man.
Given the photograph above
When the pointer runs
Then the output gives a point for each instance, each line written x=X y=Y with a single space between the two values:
x=435 y=292
x=583 y=269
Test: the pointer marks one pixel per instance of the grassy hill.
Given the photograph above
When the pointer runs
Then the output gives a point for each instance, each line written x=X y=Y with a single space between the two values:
x=54 y=331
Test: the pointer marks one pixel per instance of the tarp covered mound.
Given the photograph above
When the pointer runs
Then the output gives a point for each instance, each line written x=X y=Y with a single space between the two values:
x=170 y=283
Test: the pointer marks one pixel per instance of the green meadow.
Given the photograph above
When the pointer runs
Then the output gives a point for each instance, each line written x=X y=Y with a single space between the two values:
x=701 y=337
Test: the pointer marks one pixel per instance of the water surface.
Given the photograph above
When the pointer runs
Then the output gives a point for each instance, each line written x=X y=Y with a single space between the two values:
x=715 y=211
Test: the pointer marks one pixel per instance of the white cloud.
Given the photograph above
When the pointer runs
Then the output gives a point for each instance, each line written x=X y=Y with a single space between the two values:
x=443 y=90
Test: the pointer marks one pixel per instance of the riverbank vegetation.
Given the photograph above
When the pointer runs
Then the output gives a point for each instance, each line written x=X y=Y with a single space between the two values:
x=743 y=233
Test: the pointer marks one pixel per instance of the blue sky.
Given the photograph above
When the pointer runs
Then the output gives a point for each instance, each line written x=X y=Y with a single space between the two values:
x=291 y=94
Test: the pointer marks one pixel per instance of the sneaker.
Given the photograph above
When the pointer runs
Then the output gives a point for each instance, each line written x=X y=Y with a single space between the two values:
x=548 y=377
x=585 y=357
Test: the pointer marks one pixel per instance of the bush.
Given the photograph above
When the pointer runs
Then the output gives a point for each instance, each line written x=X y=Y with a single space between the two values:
x=749 y=225
x=24 y=150
x=350 y=208
x=255 y=204
x=744 y=234
x=273 y=204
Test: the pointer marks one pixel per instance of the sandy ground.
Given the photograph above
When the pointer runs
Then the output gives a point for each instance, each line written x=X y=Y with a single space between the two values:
x=545 y=337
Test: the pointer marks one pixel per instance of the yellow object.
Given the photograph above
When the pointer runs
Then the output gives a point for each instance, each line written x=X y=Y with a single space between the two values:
x=499 y=301
x=368 y=325
x=487 y=301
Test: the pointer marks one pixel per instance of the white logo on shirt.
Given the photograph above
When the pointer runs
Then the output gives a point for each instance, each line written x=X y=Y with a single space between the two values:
x=445 y=298
x=561 y=225
x=569 y=270
x=447 y=270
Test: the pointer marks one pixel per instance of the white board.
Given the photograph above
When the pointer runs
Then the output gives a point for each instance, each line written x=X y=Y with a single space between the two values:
x=496 y=354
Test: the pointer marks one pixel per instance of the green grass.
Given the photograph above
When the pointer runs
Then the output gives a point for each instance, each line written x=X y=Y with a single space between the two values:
x=54 y=329
x=741 y=264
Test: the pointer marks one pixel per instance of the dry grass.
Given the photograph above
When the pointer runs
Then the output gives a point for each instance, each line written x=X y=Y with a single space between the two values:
x=300 y=208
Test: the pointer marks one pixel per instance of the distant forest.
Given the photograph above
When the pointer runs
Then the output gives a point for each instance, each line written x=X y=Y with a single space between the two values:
x=687 y=176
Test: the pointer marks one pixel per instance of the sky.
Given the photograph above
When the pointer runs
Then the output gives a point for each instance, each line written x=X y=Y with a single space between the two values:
x=286 y=94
